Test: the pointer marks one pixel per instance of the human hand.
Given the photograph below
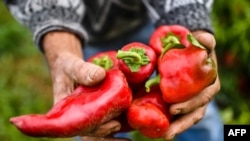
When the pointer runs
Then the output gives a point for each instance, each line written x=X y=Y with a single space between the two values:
x=63 y=53
x=192 y=111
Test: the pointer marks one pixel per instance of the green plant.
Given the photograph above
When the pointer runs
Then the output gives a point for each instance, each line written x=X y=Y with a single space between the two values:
x=232 y=31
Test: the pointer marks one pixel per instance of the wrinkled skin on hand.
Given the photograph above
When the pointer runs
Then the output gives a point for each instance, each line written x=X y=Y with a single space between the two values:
x=192 y=111
x=63 y=53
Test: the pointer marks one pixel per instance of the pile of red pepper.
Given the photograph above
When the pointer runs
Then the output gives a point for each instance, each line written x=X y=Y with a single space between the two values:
x=131 y=91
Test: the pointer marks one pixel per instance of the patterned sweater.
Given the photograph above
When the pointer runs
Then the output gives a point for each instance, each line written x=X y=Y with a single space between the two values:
x=96 y=20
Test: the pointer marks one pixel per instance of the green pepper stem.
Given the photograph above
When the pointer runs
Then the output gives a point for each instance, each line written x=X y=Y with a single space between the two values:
x=170 y=39
x=128 y=55
x=169 y=42
x=211 y=62
x=134 y=58
x=151 y=82
x=193 y=41
x=105 y=62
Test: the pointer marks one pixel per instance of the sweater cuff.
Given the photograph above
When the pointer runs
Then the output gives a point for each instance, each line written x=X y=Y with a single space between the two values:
x=57 y=25
x=194 y=16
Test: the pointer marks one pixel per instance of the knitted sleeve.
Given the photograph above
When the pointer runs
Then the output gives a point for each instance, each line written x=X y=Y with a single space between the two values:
x=42 y=16
x=193 y=14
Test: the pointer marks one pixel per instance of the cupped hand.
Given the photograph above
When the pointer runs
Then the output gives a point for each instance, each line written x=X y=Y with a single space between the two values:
x=63 y=53
x=192 y=111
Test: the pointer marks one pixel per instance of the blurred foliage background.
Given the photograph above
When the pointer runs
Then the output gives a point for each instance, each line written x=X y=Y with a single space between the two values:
x=25 y=85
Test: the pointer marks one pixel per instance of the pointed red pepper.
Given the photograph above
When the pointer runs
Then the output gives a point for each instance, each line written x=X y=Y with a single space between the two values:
x=165 y=34
x=106 y=59
x=137 y=61
x=80 y=112
x=184 y=71
x=149 y=114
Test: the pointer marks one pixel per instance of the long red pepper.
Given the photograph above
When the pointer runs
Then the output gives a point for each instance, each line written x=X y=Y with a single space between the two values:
x=149 y=113
x=80 y=112
x=137 y=61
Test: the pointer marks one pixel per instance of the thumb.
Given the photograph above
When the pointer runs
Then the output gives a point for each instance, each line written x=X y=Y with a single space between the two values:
x=71 y=71
x=84 y=72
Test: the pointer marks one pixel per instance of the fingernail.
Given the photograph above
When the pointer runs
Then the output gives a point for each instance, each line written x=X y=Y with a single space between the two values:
x=92 y=73
x=96 y=74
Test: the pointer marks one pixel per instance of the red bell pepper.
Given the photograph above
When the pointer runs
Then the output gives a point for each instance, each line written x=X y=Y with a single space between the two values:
x=149 y=113
x=166 y=35
x=137 y=61
x=184 y=72
x=80 y=112
x=107 y=59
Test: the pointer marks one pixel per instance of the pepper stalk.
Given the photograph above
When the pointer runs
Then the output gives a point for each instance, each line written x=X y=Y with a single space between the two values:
x=134 y=58
x=104 y=61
